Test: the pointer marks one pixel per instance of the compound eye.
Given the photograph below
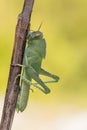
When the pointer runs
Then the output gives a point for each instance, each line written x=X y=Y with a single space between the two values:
x=37 y=35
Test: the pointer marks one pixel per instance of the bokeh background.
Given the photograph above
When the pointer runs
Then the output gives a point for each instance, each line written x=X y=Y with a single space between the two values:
x=65 y=30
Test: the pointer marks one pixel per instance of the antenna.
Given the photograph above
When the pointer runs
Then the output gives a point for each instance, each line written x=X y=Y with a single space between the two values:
x=40 y=26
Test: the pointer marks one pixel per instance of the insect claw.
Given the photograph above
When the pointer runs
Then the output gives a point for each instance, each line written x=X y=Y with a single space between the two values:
x=14 y=64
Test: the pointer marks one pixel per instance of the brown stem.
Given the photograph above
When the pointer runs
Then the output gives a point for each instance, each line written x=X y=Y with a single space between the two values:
x=22 y=27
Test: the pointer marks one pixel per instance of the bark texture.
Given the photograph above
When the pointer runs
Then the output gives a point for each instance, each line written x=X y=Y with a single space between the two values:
x=22 y=27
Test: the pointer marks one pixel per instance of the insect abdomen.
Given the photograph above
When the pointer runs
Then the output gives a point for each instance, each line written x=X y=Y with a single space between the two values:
x=23 y=97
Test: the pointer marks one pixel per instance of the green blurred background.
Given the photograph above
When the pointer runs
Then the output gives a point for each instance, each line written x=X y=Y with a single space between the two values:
x=65 y=30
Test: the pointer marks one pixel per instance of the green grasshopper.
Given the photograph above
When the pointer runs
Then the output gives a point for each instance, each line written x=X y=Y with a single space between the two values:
x=31 y=68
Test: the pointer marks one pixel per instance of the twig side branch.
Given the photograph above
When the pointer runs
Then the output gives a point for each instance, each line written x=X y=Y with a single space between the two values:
x=22 y=27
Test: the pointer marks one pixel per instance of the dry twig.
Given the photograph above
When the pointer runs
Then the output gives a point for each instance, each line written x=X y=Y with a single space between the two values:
x=22 y=28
